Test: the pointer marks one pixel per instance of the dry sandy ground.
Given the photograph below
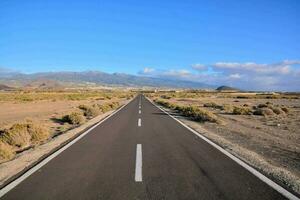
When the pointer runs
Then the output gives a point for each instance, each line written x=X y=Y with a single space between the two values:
x=27 y=158
x=271 y=144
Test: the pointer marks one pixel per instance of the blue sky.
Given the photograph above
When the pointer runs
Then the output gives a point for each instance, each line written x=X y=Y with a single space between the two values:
x=154 y=38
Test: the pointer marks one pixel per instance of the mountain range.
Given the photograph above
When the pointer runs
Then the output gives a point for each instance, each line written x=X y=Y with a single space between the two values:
x=96 y=78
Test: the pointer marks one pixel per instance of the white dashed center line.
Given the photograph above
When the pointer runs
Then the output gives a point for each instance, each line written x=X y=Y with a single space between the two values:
x=138 y=164
x=140 y=111
x=139 y=122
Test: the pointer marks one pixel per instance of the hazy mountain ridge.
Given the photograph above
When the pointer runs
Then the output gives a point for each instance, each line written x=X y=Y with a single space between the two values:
x=101 y=78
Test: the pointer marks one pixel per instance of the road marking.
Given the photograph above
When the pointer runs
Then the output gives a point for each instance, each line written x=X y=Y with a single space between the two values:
x=140 y=111
x=138 y=164
x=139 y=122
x=17 y=181
x=253 y=171
x=139 y=107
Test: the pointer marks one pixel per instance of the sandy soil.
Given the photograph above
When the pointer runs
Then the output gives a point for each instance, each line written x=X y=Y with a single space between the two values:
x=271 y=144
x=28 y=157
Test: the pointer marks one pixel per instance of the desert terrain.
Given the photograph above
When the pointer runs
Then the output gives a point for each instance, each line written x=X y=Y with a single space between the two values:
x=260 y=128
x=31 y=118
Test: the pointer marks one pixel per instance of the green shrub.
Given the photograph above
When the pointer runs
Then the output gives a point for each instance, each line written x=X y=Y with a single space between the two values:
x=74 y=118
x=241 y=111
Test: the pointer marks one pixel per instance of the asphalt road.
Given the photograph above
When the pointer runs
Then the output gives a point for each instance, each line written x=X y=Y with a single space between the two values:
x=141 y=154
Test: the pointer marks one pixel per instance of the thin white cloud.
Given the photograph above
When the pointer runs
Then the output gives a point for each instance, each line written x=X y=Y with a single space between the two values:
x=148 y=70
x=199 y=67
x=284 y=67
x=284 y=75
x=177 y=73
x=235 y=76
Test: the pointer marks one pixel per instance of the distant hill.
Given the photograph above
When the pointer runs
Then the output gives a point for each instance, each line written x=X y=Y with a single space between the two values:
x=5 y=87
x=104 y=79
x=44 y=84
x=226 y=88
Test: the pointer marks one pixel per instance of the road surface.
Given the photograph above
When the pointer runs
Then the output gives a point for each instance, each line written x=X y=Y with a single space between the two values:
x=141 y=153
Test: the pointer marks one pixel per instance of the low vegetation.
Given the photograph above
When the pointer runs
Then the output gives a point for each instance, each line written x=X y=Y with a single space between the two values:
x=96 y=109
x=193 y=112
x=262 y=128
x=212 y=105
x=6 y=151
x=241 y=110
x=73 y=95
x=19 y=134
x=74 y=118
x=90 y=111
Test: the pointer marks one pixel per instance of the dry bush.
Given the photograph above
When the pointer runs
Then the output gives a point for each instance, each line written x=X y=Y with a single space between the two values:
x=103 y=108
x=114 y=105
x=165 y=97
x=277 y=110
x=74 y=118
x=90 y=111
x=285 y=109
x=24 y=134
x=241 y=111
x=200 y=115
x=6 y=151
x=193 y=112
x=212 y=105
x=264 y=112
x=262 y=105
x=227 y=108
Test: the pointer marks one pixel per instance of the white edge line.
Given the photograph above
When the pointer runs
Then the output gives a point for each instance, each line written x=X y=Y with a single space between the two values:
x=256 y=173
x=138 y=164
x=16 y=182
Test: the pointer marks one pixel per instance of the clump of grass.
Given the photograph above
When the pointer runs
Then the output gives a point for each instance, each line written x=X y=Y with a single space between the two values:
x=199 y=114
x=277 y=110
x=24 y=134
x=6 y=151
x=241 y=111
x=285 y=109
x=227 y=108
x=212 y=105
x=90 y=111
x=269 y=103
x=264 y=111
x=108 y=106
x=263 y=105
x=165 y=97
x=75 y=118
x=193 y=112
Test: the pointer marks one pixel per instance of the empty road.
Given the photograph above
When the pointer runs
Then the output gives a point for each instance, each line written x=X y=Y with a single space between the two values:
x=141 y=153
